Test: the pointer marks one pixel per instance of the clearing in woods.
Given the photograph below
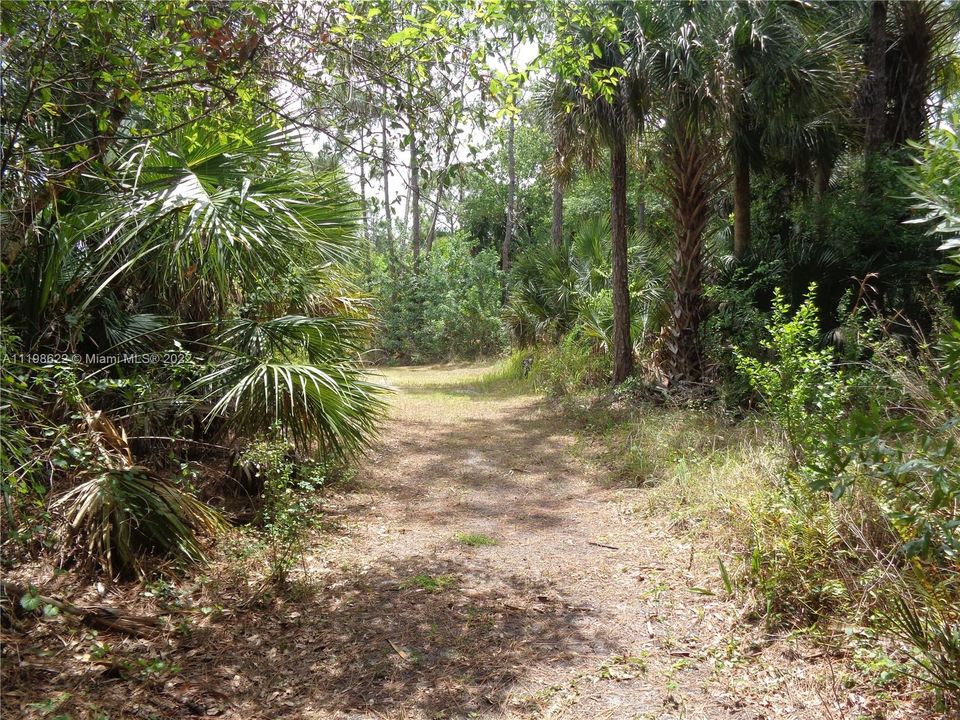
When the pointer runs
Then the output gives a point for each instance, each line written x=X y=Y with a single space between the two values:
x=480 y=569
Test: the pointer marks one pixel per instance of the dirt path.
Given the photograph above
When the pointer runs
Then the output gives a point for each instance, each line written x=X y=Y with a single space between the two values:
x=578 y=611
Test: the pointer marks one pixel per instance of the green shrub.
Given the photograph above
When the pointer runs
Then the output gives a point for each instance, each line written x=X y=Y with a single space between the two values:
x=800 y=384
x=287 y=503
x=571 y=366
x=867 y=525
x=449 y=308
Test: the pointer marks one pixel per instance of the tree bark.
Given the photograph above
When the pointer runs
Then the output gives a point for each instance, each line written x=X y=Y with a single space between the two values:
x=556 y=227
x=916 y=45
x=622 y=349
x=363 y=188
x=386 y=187
x=432 y=232
x=511 y=196
x=821 y=186
x=415 y=194
x=441 y=181
x=875 y=86
x=690 y=188
x=741 y=207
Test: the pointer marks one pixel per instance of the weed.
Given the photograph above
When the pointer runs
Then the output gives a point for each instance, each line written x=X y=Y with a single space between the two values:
x=287 y=511
x=430 y=583
x=475 y=539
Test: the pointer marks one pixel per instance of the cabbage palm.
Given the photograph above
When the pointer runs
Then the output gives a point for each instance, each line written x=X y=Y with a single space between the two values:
x=225 y=243
x=785 y=85
x=222 y=234
x=677 y=52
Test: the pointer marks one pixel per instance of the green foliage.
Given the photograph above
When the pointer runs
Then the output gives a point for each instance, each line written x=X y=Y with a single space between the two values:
x=935 y=181
x=798 y=555
x=449 y=308
x=917 y=472
x=481 y=213
x=737 y=326
x=841 y=235
x=544 y=293
x=570 y=367
x=561 y=295
x=150 y=292
x=288 y=499
x=931 y=629
x=801 y=386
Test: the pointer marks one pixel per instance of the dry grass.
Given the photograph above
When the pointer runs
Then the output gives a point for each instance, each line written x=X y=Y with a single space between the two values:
x=693 y=466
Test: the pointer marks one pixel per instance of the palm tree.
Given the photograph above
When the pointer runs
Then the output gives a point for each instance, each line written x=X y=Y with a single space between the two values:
x=553 y=108
x=785 y=83
x=610 y=116
x=226 y=244
x=676 y=50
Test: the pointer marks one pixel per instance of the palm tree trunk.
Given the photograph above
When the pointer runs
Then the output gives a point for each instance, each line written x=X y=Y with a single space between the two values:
x=917 y=46
x=511 y=195
x=690 y=190
x=622 y=348
x=556 y=227
x=741 y=207
x=821 y=186
x=875 y=86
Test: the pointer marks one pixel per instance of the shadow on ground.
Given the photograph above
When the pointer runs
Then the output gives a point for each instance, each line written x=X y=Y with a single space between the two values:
x=511 y=469
x=373 y=640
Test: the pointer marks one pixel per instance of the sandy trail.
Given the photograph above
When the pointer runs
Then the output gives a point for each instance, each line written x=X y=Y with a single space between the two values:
x=579 y=611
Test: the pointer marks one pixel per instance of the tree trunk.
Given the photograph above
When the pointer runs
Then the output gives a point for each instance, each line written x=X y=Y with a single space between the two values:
x=741 y=207
x=386 y=187
x=875 y=86
x=441 y=181
x=622 y=347
x=556 y=228
x=821 y=186
x=690 y=189
x=415 y=195
x=363 y=189
x=916 y=45
x=511 y=196
x=432 y=232
x=363 y=205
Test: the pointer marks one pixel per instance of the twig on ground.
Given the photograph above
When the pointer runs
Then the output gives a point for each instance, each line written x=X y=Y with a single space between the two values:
x=608 y=547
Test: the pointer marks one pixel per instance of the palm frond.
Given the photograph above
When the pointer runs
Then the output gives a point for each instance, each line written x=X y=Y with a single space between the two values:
x=120 y=513
x=330 y=403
